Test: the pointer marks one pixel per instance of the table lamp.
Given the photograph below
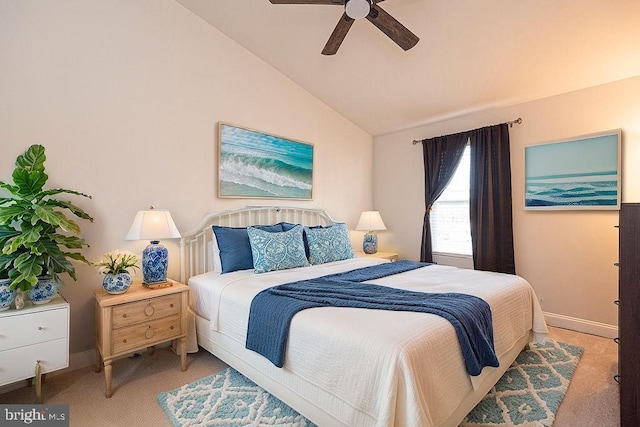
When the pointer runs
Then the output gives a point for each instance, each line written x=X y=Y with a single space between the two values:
x=370 y=221
x=154 y=224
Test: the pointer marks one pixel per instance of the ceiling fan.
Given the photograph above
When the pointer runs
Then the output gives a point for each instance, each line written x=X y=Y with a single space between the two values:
x=358 y=9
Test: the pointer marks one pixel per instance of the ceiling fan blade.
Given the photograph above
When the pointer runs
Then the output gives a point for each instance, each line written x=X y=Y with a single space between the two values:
x=338 y=35
x=340 y=2
x=392 y=28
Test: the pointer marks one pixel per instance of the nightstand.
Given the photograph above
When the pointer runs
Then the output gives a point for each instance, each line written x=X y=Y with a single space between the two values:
x=138 y=319
x=34 y=341
x=391 y=256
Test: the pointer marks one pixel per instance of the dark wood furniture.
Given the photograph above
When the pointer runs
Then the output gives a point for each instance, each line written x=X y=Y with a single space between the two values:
x=629 y=315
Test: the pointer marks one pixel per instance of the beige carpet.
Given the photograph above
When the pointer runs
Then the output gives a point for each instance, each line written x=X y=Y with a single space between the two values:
x=592 y=398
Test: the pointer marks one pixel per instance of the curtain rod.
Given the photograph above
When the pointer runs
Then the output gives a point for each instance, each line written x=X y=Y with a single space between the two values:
x=511 y=123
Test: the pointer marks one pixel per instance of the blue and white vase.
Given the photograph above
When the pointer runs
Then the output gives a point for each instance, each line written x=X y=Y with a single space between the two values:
x=43 y=291
x=6 y=295
x=370 y=243
x=116 y=283
x=155 y=259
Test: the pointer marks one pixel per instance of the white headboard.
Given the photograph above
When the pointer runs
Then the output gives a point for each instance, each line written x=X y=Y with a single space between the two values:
x=195 y=246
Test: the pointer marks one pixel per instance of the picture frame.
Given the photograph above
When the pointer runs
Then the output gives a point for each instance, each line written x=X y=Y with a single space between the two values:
x=577 y=173
x=254 y=164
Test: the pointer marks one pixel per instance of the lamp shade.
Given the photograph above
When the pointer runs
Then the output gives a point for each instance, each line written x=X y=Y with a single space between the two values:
x=370 y=221
x=153 y=224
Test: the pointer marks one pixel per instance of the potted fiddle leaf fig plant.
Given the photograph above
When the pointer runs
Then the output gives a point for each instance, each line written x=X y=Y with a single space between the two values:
x=38 y=239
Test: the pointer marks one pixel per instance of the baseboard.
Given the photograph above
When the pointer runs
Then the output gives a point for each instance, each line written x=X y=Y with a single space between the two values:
x=76 y=361
x=88 y=358
x=81 y=360
x=581 y=325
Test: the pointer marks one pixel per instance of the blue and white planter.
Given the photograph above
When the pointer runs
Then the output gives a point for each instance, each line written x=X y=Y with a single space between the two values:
x=44 y=290
x=6 y=295
x=116 y=283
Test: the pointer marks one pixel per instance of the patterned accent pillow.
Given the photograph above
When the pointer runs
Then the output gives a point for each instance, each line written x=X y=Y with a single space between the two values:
x=288 y=226
x=277 y=251
x=329 y=244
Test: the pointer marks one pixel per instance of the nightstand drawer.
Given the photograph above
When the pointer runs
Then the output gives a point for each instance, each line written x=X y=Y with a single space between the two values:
x=145 y=310
x=146 y=334
x=26 y=328
x=20 y=363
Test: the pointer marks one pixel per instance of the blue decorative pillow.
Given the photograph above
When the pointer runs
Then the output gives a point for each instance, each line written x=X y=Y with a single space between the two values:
x=235 y=249
x=277 y=251
x=286 y=226
x=329 y=244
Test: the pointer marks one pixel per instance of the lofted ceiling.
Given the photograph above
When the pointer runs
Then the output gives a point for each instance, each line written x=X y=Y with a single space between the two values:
x=472 y=55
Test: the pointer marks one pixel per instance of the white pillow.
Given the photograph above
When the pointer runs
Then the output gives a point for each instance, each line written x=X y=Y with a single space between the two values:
x=215 y=255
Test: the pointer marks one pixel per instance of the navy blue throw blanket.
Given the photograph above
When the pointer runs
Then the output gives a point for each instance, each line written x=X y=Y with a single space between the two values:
x=273 y=308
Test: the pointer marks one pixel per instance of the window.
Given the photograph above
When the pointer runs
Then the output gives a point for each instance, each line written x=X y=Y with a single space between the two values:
x=450 y=223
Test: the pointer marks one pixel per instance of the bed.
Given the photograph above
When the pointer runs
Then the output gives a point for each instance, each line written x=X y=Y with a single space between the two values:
x=352 y=366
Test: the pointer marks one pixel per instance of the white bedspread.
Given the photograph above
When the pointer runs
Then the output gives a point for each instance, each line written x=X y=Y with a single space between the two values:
x=377 y=367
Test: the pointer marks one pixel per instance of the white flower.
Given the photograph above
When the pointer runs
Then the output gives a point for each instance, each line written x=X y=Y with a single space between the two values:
x=117 y=261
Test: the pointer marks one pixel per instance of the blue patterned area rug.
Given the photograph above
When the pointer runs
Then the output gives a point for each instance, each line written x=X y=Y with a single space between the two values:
x=227 y=399
x=528 y=394
x=531 y=390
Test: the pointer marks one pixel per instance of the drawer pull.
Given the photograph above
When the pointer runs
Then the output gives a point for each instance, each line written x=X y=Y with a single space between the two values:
x=171 y=305
x=149 y=310
x=40 y=328
x=171 y=327
x=124 y=340
x=124 y=315
x=148 y=333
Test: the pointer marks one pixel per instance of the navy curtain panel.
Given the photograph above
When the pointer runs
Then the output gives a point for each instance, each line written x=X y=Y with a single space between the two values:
x=490 y=202
x=441 y=156
x=490 y=205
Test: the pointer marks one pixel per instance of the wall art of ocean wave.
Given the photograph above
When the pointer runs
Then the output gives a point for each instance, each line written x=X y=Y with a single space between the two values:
x=550 y=193
x=253 y=164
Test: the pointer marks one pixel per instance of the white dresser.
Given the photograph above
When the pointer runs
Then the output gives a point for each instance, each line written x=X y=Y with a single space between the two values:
x=34 y=341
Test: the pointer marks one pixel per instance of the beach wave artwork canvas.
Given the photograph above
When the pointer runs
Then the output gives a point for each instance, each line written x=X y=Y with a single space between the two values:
x=254 y=164
x=583 y=173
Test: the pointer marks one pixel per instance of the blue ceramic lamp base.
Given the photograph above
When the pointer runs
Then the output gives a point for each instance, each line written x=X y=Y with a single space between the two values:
x=370 y=243
x=155 y=259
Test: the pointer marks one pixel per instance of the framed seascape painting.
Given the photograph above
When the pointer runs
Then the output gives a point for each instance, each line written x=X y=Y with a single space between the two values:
x=253 y=164
x=580 y=173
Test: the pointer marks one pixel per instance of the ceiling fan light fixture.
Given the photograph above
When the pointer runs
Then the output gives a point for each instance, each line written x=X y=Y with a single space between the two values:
x=356 y=9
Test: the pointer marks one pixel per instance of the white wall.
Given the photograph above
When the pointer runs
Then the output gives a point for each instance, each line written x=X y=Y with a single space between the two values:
x=567 y=256
x=126 y=96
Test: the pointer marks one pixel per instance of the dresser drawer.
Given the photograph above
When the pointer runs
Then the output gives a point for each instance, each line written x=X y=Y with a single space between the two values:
x=146 y=310
x=146 y=334
x=33 y=327
x=20 y=363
